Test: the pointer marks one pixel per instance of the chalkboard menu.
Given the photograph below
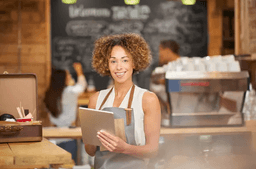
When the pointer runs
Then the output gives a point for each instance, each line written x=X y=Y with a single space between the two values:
x=75 y=27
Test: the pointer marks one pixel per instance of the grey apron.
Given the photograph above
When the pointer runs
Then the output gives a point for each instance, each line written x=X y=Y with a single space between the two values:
x=111 y=160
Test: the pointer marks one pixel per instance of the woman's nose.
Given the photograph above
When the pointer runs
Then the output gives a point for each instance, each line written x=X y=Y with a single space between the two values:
x=119 y=65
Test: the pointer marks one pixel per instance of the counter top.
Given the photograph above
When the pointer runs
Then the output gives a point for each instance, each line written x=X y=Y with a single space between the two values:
x=53 y=132
x=33 y=155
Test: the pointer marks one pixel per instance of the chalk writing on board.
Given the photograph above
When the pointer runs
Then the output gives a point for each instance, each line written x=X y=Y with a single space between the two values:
x=124 y=26
x=140 y=12
x=67 y=50
x=80 y=11
x=85 y=27
x=186 y=25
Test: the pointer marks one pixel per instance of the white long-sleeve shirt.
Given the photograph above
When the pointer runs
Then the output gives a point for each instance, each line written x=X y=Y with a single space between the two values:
x=69 y=103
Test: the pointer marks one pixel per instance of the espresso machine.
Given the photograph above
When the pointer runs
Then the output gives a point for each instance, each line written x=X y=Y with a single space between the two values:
x=206 y=99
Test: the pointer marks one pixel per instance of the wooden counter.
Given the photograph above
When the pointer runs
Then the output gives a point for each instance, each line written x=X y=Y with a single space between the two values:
x=250 y=126
x=53 y=132
x=33 y=155
x=184 y=149
x=83 y=99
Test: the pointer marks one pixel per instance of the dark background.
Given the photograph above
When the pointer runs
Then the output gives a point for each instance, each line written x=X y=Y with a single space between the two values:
x=73 y=32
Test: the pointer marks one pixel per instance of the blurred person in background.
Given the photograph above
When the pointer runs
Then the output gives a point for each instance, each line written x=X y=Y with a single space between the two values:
x=61 y=102
x=168 y=52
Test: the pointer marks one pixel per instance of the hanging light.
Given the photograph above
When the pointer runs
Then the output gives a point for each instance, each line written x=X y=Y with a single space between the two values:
x=131 y=2
x=188 y=2
x=69 y=1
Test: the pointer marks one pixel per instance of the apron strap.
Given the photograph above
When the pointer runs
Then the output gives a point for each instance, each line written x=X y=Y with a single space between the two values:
x=105 y=99
x=128 y=109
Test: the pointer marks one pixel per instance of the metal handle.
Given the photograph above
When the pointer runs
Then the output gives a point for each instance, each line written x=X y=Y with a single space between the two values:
x=10 y=130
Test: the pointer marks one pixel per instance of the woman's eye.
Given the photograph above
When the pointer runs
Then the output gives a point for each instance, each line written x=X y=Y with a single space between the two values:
x=112 y=61
x=125 y=60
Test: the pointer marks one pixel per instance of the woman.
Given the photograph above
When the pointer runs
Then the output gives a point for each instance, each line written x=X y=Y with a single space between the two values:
x=61 y=102
x=120 y=56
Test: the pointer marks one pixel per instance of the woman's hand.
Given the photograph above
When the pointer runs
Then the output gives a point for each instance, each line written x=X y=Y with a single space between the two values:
x=112 y=143
x=78 y=68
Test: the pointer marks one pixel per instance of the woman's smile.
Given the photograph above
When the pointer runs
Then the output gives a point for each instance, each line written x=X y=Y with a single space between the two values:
x=120 y=74
x=120 y=65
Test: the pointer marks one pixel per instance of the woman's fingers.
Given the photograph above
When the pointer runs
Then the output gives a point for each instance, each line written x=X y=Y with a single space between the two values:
x=108 y=140
x=107 y=136
x=105 y=143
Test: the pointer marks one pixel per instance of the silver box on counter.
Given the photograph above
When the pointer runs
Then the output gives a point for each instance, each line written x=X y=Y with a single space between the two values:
x=206 y=99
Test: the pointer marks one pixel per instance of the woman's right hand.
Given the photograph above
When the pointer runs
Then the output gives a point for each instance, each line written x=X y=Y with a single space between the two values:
x=78 y=68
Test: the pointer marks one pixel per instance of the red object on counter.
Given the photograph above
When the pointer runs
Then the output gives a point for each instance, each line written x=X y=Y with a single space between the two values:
x=24 y=119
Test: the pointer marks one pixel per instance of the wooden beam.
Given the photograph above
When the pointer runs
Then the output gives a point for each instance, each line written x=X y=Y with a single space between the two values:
x=237 y=26
x=48 y=44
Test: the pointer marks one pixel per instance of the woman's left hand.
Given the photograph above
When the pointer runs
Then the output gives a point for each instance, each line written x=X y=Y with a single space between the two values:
x=112 y=143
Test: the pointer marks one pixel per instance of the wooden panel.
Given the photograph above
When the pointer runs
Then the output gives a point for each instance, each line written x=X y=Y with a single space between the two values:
x=8 y=5
x=33 y=11
x=41 y=89
x=215 y=42
x=230 y=4
x=214 y=51
x=9 y=68
x=248 y=26
x=237 y=27
x=13 y=59
x=244 y=27
x=214 y=27
x=33 y=33
x=25 y=49
x=6 y=155
x=38 y=69
x=9 y=59
x=37 y=153
x=35 y=17
x=53 y=132
x=6 y=48
x=8 y=37
x=35 y=58
x=48 y=35
x=25 y=167
x=33 y=49
x=252 y=26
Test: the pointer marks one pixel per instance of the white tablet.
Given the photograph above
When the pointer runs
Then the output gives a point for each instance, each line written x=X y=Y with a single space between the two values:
x=92 y=121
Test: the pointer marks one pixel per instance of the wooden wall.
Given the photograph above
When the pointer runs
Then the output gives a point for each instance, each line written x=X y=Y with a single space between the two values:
x=34 y=27
x=215 y=24
x=24 y=44
x=246 y=26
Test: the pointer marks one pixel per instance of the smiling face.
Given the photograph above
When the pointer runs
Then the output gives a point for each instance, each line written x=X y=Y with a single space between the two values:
x=120 y=65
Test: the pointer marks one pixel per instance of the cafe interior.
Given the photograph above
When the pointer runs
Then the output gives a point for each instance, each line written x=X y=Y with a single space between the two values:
x=207 y=95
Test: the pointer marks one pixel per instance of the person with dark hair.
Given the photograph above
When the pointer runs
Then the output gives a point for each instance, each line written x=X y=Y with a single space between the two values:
x=168 y=51
x=61 y=101
x=120 y=56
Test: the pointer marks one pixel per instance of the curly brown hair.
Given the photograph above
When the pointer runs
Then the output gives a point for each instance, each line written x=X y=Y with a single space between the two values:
x=133 y=44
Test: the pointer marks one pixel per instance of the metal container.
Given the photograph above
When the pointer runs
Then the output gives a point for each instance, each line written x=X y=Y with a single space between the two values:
x=206 y=99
